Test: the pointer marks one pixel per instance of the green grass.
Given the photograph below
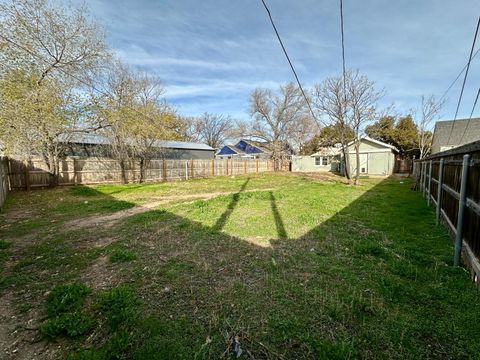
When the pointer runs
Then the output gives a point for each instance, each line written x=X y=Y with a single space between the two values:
x=122 y=255
x=295 y=268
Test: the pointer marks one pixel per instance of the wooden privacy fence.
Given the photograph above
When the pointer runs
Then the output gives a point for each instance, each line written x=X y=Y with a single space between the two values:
x=4 y=186
x=27 y=175
x=451 y=181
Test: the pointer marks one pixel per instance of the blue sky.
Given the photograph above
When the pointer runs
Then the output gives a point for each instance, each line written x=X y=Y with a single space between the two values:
x=212 y=54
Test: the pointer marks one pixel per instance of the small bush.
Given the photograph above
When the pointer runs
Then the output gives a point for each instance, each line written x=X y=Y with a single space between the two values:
x=83 y=191
x=64 y=298
x=336 y=350
x=71 y=325
x=369 y=248
x=117 y=347
x=4 y=244
x=119 y=306
x=122 y=255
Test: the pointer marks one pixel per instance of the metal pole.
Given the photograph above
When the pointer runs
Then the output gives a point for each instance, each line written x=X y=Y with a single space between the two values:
x=461 y=210
x=424 y=178
x=421 y=177
x=429 y=183
x=439 y=191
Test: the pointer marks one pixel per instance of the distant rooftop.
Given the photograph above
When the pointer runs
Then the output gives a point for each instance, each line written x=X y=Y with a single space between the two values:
x=457 y=128
x=98 y=139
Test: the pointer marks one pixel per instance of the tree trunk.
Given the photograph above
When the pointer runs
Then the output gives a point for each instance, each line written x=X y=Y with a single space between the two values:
x=142 y=170
x=346 y=162
x=357 y=156
x=123 y=172
x=53 y=168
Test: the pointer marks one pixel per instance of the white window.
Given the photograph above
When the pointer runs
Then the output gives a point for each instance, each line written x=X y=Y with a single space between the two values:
x=317 y=160
x=325 y=161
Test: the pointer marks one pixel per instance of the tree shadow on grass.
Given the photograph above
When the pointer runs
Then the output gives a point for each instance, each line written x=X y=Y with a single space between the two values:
x=222 y=220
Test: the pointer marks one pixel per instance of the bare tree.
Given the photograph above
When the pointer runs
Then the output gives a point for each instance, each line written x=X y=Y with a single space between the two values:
x=47 y=50
x=212 y=129
x=331 y=102
x=54 y=40
x=115 y=112
x=349 y=103
x=279 y=117
x=155 y=120
x=362 y=98
x=134 y=117
x=429 y=111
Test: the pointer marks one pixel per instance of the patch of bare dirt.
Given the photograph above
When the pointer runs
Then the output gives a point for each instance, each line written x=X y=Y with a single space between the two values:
x=100 y=276
x=19 y=335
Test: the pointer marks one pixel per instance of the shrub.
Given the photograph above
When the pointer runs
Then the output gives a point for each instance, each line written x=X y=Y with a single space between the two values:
x=70 y=324
x=119 y=306
x=64 y=298
x=83 y=191
x=4 y=244
x=122 y=255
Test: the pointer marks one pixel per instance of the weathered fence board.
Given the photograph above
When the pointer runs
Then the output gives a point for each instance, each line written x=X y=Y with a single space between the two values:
x=455 y=191
x=31 y=174
x=4 y=186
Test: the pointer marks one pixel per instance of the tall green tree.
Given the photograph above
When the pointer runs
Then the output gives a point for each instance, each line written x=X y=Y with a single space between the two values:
x=383 y=129
x=406 y=134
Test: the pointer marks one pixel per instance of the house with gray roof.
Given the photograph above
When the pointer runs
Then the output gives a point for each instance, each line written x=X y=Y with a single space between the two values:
x=97 y=145
x=450 y=134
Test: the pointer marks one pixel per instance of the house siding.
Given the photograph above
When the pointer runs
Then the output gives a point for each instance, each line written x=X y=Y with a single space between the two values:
x=375 y=159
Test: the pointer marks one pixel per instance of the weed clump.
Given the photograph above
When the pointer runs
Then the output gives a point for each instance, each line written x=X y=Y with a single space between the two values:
x=119 y=306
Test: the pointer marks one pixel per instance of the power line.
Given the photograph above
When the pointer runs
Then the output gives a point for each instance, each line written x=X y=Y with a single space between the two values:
x=458 y=76
x=471 y=114
x=288 y=59
x=102 y=92
x=343 y=60
x=464 y=80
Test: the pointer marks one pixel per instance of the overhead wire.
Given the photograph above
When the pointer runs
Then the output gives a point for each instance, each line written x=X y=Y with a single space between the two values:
x=290 y=62
x=464 y=81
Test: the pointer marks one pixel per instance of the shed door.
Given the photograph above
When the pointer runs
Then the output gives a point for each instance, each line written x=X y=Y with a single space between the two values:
x=378 y=163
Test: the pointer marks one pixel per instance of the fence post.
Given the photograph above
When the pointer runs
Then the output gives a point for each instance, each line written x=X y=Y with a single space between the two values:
x=186 y=169
x=27 y=176
x=424 y=178
x=461 y=210
x=421 y=177
x=164 y=170
x=257 y=165
x=74 y=172
x=244 y=166
x=429 y=183
x=213 y=167
x=192 y=174
x=439 y=191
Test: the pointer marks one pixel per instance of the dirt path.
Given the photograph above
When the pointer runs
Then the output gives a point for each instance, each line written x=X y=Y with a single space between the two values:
x=112 y=219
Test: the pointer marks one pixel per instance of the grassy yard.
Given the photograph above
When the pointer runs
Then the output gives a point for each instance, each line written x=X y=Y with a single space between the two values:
x=286 y=267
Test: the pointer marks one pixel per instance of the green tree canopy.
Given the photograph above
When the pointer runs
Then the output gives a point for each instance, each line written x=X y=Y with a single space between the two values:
x=328 y=136
x=400 y=132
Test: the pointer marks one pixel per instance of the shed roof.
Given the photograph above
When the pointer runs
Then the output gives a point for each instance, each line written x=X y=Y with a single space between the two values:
x=457 y=128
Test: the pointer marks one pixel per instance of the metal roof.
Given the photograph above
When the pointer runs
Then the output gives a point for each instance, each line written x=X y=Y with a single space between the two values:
x=98 y=139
